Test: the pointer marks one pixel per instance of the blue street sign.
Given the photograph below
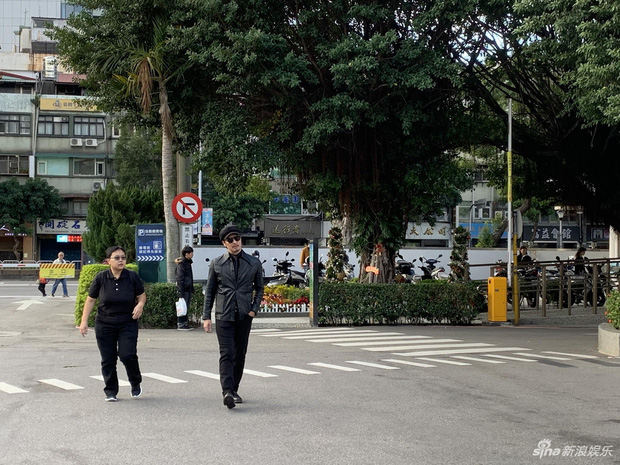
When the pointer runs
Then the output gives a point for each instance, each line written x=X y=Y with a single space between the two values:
x=150 y=242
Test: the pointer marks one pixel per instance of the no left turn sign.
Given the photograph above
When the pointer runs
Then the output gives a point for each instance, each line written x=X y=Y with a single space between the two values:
x=186 y=207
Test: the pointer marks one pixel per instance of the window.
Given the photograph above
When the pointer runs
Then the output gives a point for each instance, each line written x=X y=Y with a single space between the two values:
x=80 y=208
x=88 y=167
x=480 y=175
x=14 y=124
x=53 y=125
x=88 y=127
x=116 y=132
x=41 y=167
x=13 y=164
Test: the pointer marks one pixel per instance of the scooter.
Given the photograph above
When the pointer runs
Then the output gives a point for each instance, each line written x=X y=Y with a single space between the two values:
x=285 y=275
x=405 y=271
x=430 y=270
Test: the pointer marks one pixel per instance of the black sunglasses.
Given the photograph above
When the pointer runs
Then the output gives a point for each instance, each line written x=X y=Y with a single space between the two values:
x=233 y=238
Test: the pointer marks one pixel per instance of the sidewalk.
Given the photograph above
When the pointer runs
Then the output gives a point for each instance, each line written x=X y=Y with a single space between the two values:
x=555 y=317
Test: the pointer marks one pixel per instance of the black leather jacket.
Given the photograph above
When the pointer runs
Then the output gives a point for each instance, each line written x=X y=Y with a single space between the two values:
x=245 y=293
x=185 y=276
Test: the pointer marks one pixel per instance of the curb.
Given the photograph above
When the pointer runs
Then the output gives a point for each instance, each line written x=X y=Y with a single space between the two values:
x=608 y=340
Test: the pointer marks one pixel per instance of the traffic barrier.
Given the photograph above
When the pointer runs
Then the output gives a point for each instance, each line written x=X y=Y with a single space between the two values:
x=56 y=270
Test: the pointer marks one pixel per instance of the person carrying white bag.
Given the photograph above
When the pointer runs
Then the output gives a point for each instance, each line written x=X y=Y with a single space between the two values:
x=185 y=286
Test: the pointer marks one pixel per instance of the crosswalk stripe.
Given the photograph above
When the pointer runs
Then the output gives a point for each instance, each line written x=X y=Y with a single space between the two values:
x=506 y=357
x=475 y=359
x=549 y=357
x=309 y=332
x=448 y=362
x=373 y=365
x=372 y=337
x=391 y=341
x=325 y=336
x=427 y=346
x=569 y=355
x=265 y=330
x=204 y=374
x=164 y=378
x=335 y=367
x=259 y=373
x=475 y=350
x=9 y=389
x=407 y=362
x=295 y=370
x=121 y=382
x=60 y=384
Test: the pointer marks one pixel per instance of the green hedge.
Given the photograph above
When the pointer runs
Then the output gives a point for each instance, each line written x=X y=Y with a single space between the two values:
x=427 y=302
x=159 y=310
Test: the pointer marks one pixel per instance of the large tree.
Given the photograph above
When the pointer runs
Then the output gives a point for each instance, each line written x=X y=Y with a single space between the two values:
x=356 y=98
x=22 y=205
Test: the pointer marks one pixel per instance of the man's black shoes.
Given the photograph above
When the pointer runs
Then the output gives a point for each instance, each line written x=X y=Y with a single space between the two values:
x=237 y=397
x=229 y=400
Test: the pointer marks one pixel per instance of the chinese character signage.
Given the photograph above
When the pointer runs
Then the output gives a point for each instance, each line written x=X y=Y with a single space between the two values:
x=65 y=104
x=207 y=222
x=301 y=227
x=551 y=233
x=285 y=204
x=150 y=242
x=56 y=226
x=422 y=231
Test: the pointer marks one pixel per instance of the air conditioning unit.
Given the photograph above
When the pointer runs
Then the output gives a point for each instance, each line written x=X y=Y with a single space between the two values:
x=97 y=186
x=90 y=142
x=75 y=142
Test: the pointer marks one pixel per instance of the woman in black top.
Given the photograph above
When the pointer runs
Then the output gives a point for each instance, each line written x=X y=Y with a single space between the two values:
x=121 y=301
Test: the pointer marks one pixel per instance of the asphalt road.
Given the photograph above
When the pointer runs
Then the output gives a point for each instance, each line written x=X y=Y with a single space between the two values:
x=411 y=403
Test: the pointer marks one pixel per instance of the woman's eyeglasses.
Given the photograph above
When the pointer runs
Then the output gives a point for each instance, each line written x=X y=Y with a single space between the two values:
x=233 y=238
x=118 y=258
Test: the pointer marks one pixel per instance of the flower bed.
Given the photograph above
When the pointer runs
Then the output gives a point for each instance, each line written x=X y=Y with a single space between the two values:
x=285 y=299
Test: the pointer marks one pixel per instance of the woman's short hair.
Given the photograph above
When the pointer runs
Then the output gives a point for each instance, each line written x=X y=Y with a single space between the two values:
x=110 y=250
x=186 y=249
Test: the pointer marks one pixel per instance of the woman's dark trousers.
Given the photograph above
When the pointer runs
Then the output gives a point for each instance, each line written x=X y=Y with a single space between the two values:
x=118 y=340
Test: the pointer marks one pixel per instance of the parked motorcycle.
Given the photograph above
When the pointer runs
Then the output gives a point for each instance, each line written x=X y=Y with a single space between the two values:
x=285 y=275
x=405 y=270
x=430 y=270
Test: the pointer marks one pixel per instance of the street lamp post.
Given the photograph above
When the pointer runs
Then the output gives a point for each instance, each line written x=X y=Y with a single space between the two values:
x=559 y=210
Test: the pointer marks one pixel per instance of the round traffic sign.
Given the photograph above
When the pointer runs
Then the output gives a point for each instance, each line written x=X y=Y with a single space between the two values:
x=186 y=207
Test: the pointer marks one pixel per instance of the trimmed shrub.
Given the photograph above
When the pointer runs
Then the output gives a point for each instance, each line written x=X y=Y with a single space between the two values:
x=613 y=309
x=427 y=302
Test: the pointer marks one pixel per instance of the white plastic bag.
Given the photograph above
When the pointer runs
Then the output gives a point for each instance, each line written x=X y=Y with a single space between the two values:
x=181 y=307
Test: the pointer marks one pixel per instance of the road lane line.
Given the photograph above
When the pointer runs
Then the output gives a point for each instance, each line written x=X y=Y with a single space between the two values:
x=391 y=341
x=121 y=382
x=549 y=357
x=164 y=378
x=259 y=373
x=334 y=367
x=407 y=362
x=506 y=357
x=475 y=359
x=569 y=355
x=9 y=389
x=448 y=362
x=373 y=365
x=295 y=370
x=428 y=346
x=60 y=384
x=315 y=332
x=459 y=351
x=325 y=336
x=204 y=374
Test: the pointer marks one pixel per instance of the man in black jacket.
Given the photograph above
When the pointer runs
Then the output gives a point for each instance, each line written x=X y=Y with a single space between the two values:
x=235 y=286
x=185 y=283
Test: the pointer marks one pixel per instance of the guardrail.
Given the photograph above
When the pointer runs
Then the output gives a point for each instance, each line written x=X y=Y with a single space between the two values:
x=555 y=283
x=29 y=268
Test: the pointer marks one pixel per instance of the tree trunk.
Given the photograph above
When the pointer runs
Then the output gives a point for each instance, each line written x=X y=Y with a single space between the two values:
x=169 y=188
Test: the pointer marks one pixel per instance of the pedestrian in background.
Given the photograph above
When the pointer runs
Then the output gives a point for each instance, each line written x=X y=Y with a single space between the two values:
x=63 y=281
x=185 y=283
x=42 y=283
x=121 y=302
x=235 y=286
x=304 y=256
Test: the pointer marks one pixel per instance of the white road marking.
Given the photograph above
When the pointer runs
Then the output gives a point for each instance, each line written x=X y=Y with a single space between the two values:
x=392 y=341
x=164 y=378
x=121 y=382
x=204 y=374
x=373 y=365
x=569 y=355
x=266 y=330
x=427 y=346
x=369 y=337
x=9 y=389
x=60 y=384
x=475 y=359
x=335 y=367
x=449 y=362
x=315 y=332
x=542 y=356
x=407 y=362
x=460 y=351
x=295 y=370
x=505 y=357
x=259 y=373
x=345 y=334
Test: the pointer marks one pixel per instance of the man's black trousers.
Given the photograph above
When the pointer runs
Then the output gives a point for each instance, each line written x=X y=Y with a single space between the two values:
x=118 y=340
x=232 y=337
